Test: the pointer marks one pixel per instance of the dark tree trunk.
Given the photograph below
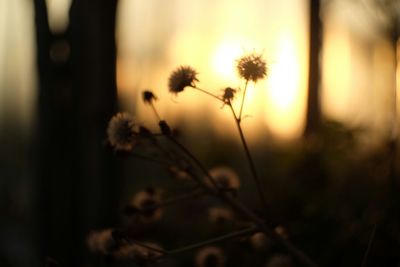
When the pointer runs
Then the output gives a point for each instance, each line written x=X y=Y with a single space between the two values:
x=313 y=115
x=77 y=181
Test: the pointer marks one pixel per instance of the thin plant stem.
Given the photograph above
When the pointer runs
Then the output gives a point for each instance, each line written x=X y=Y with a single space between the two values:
x=155 y=111
x=214 y=240
x=242 y=104
x=141 y=244
x=195 y=160
x=208 y=93
x=256 y=179
x=238 y=206
x=175 y=200
x=368 y=250
x=186 y=248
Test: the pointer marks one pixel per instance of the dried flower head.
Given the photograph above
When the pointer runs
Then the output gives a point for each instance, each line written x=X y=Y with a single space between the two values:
x=229 y=94
x=260 y=241
x=210 y=257
x=180 y=78
x=225 y=178
x=147 y=204
x=178 y=173
x=144 y=253
x=279 y=260
x=282 y=231
x=252 y=67
x=148 y=97
x=121 y=131
x=101 y=241
x=220 y=215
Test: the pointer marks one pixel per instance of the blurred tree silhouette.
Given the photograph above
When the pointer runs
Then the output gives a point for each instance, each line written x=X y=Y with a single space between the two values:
x=313 y=112
x=76 y=178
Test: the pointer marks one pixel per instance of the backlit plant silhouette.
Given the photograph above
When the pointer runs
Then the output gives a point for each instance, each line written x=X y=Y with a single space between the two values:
x=220 y=183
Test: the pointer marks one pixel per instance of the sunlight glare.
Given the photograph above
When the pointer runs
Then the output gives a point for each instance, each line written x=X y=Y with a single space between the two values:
x=285 y=95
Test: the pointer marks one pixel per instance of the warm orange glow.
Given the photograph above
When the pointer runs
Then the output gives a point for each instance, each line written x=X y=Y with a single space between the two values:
x=224 y=59
x=337 y=72
x=286 y=91
x=211 y=42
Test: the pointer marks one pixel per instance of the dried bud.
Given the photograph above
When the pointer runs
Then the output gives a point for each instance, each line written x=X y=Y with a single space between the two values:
x=210 y=257
x=229 y=94
x=148 y=97
x=225 y=178
x=180 y=78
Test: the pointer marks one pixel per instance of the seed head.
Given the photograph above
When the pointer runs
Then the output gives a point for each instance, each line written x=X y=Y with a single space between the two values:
x=210 y=257
x=138 y=253
x=252 y=67
x=100 y=241
x=225 y=178
x=148 y=97
x=220 y=215
x=147 y=203
x=121 y=132
x=229 y=94
x=180 y=78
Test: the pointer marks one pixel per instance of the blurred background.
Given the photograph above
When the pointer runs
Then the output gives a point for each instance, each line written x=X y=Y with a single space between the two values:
x=323 y=126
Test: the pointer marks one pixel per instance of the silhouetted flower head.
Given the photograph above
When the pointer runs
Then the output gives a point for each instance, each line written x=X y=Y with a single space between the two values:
x=147 y=204
x=148 y=97
x=252 y=67
x=220 y=215
x=121 y=131
x=178 y=173
x=210 y=257
x=101 y=241
x=260 y=241
x=225 y=178
x=279 y=260
x=229 y=94
x=282 y=231
x=180 y=78
x=139 y=254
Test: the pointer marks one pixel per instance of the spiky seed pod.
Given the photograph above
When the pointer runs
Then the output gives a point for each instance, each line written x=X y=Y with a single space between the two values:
x=180 y=78
x=121 y=132
x=252 y=67
x=210 y=257
x=148 y=97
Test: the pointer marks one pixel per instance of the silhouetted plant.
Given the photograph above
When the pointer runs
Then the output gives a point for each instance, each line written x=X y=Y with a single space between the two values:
x=237 y=220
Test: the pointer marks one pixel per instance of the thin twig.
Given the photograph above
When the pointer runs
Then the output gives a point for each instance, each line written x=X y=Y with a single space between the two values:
x=155 y=111
x=250 y=161
x=368 y=250
x=208 y=93
x=141 y=244
x=243 y=98
x=214 y=240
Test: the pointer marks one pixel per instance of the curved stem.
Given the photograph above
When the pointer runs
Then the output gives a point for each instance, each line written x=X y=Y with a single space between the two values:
x=155 y=111
x=242 y=104
x=368 y=250
x=208 y=93
x=215 y=240
x=256 y=179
